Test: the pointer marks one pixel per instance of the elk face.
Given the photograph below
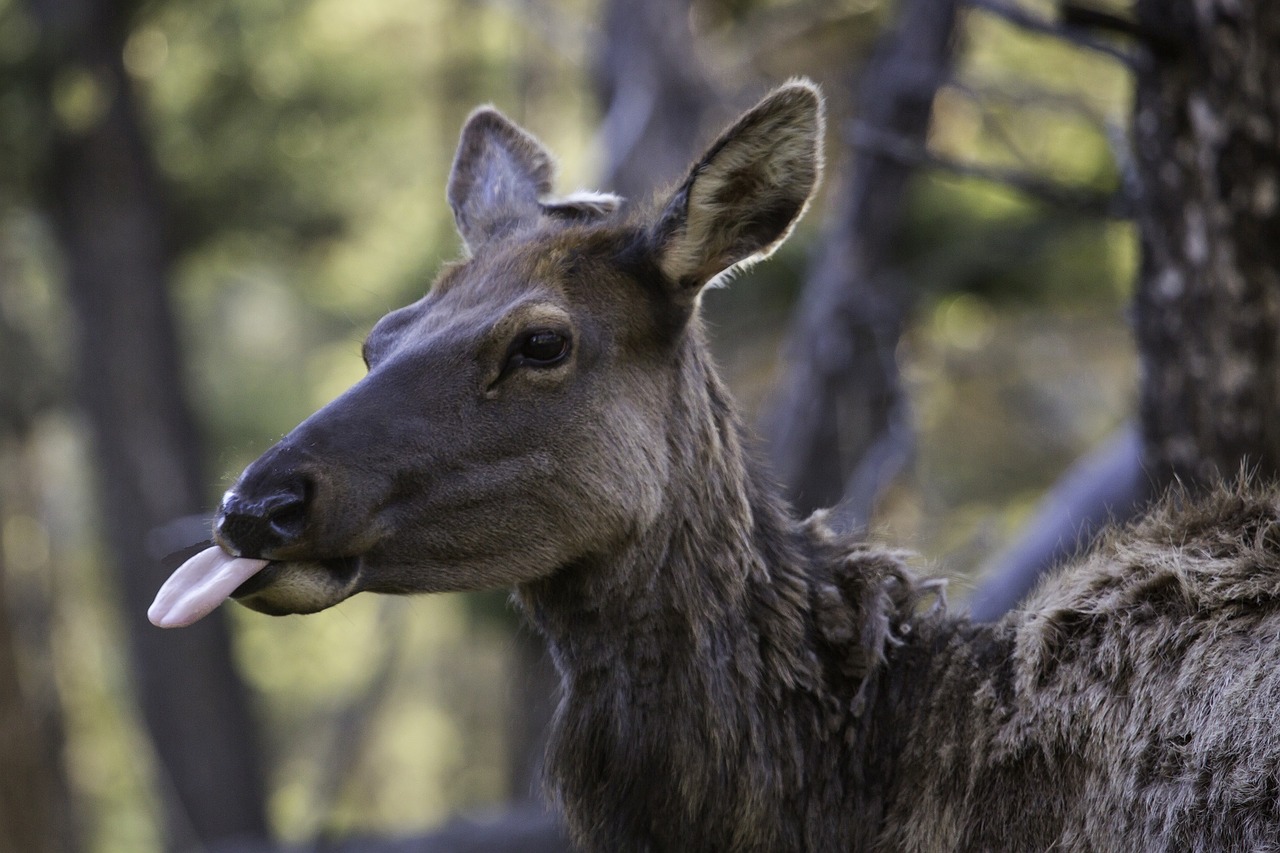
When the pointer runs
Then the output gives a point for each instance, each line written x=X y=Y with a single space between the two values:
x=484 y=447
x=514 y=420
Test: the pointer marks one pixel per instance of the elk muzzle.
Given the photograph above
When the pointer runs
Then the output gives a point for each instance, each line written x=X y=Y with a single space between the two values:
x=256 y=524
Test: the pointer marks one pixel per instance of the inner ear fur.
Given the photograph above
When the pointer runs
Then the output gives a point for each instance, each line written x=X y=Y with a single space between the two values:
x=741 y=200
x=499 y=174
x=502 y=177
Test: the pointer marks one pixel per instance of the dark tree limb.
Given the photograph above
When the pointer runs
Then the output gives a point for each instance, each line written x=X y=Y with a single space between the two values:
x=1055 y=193
x=655 y=94
x=839 y=429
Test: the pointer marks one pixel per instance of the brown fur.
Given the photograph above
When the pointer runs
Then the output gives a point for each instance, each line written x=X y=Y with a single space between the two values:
x=735 y=679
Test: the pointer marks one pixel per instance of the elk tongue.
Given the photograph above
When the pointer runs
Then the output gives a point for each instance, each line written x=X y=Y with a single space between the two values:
x=199 y=585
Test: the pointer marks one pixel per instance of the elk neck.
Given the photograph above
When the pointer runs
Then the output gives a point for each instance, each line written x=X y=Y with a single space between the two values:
x=680 y=651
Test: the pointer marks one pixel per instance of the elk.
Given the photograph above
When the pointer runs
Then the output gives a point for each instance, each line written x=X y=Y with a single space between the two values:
x=547 y=418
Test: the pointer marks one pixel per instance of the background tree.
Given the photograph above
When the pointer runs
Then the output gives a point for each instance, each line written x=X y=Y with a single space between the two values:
x=27 y=793
x=1206 y=312
x=35 y=807
x=105 y=203
x=841 y=431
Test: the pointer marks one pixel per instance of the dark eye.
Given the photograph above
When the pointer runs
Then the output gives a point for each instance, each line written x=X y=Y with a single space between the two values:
x=542 y=348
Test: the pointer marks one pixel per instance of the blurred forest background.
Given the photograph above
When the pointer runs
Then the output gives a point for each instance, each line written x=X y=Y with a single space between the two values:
x=205 y=205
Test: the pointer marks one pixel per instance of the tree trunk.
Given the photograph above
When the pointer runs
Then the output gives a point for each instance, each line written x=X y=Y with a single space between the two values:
x=104 y=199
x=655 y=96
x=1207 y=139
x=839 y=429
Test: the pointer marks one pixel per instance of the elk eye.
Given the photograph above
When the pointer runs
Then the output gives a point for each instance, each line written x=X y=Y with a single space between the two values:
x=542 y=348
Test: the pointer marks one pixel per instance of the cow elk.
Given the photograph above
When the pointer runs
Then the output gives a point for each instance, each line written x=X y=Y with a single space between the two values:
x=547 y=419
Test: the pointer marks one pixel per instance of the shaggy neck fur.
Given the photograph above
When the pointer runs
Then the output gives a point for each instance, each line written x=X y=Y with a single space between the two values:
x=717 y=671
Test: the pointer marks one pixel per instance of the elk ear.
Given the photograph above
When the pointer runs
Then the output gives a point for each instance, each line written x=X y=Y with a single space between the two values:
x=499 y=174
x=741 y=200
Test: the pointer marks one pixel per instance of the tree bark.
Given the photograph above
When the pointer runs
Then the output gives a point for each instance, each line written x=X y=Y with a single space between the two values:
x=839 y=429
x=104 y=199
x=1207 y=140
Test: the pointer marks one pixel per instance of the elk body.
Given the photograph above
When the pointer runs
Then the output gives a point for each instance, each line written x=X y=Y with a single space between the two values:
x=547 y=418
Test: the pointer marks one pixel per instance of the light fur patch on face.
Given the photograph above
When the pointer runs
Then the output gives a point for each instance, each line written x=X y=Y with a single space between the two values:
x=299 y=588
x=584 y=204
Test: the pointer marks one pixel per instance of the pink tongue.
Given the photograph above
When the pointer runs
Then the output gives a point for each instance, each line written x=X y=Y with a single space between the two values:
x=199 y=585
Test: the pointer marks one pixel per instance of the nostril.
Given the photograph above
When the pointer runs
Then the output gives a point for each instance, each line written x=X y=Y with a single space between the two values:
x=245 y=535
x=288 y=519
x=252 y=525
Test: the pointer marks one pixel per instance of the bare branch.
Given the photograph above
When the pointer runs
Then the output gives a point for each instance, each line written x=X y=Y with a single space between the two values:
x=766 y=31
x=1074 y=198
x=1114 y=130
x=982 y=92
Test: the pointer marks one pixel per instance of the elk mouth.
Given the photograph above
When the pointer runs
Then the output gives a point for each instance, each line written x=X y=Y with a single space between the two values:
x=281 y=588
x=275 y=587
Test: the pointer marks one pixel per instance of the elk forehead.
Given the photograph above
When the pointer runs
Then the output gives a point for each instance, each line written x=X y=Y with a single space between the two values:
x=469 y=296
x=570 y=259
x=558 y=275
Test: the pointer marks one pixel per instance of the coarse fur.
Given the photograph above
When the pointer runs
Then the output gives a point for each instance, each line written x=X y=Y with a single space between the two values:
x=735 y=679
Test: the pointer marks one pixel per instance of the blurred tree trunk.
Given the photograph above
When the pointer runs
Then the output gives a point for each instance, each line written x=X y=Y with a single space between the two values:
x=104 y=199
x=656 y=97
x=839 y=430
x=1207 y=140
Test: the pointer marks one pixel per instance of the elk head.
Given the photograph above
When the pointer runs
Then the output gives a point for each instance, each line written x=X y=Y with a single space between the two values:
x=515 y=419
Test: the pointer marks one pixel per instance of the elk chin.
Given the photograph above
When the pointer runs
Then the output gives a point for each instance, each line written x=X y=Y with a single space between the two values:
x=284 y=588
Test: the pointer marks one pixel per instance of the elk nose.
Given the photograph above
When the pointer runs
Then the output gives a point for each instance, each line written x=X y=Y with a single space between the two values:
x=253 y=525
